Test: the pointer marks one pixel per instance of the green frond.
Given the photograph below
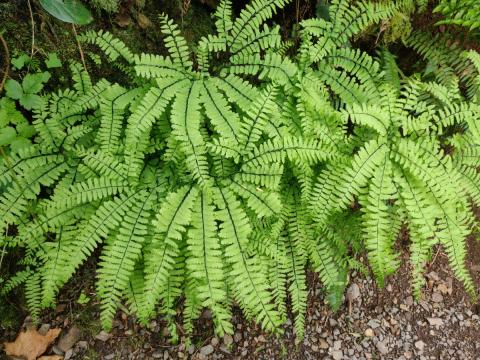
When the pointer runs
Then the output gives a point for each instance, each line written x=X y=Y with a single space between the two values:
x=205 y=262
x=120 y=254
x=175 y=43
x=250 y=284
x=171 y=221
x=111 y=46
x=186 y=117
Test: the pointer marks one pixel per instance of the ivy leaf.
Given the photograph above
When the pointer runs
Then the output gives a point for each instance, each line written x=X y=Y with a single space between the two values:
x=53 y=61
x=7 y=135
x=14 y=89
x=70 y=11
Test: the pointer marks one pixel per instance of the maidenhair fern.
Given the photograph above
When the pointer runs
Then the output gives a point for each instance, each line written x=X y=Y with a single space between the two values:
x=218 y=176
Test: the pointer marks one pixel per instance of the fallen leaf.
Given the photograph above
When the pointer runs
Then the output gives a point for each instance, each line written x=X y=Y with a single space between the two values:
x=51 y=357
x=30 y=344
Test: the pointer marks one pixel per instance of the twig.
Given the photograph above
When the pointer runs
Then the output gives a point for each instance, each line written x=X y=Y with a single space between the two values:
x=82 y=57
x=7 y=61
x=33 y=27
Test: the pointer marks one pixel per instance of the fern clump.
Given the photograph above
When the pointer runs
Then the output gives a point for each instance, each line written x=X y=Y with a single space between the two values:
x=219 y=175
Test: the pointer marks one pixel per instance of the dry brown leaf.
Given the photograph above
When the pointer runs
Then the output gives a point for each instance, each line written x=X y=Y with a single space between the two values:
x=30 y=344
x=51 y=357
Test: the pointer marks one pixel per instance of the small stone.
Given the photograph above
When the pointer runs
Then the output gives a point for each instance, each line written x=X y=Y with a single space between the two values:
x=420 y=345
x=227 y=339
x=261 y=338
x=435 y=322
x=166 y=355
x=157 y=355
x=314 y=348
x=408 y=354
x=337 y=345
x=353 y=292
x=191 y=349
x=109 y=356
x=374 y=323
x=44 y=329
x=409 y=301
x=337 y=355
x=369 y=333
x=382 y=348
x=67 y=341
x=323 y=344
x=57 y=351
x=237 y=337
x=206 y=350
x=103 y=336
x=437 y=297
x=68 y=354
x=214 y=342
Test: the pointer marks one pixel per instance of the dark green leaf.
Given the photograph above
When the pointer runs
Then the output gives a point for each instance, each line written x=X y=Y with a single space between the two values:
x=70 y=11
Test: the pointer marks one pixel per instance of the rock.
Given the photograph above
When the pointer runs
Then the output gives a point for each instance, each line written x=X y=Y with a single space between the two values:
x=157 y=355
x=420 y=345
x=374 y=323
x=323 y=344
x=206 y=350
x=109 y=356
x=103 y=336
x=227 y=339
x=43 y=330
x=435 y=321
x=82 y=344
x=261 y=338
x=67 y=341
x=382 y=348
x=166 y=355
x=369 y=333
x=68 y=354
x=353 y=292
x=237 y=337
x=337 y=345
x=437 y=297
x=337 y=355
x=409 y=301
x=191 y=349
x=214 y=342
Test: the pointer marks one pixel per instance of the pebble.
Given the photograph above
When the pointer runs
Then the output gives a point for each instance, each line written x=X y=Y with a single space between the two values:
x=109 y=356
x=68 y=354
x=206 y=350
x=382 y=348
x=374 y=323
x=353 y=292
x=103 y=336
x=437 y=297
x=214 y=342
x=435 y=322
x=337 y=355
x=67 y=341
x=369 y=332
x=157 y=355
x=420 y=345
x=227 y=339
x=323 y=344
x=237 y=337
